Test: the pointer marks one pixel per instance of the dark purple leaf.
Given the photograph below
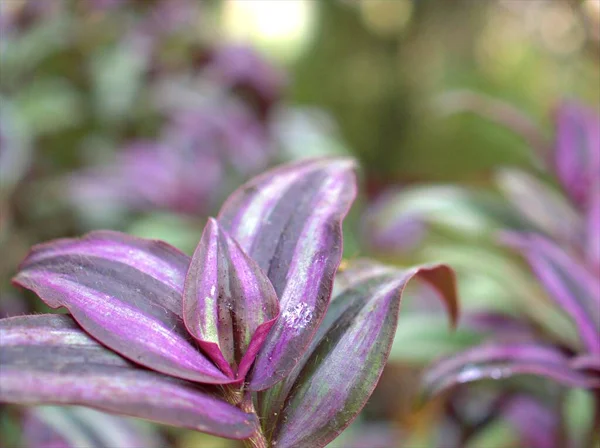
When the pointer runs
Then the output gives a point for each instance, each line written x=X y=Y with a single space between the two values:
x=229 y=303
x=289 y=221
x=568 y=282
x=127 y=293
x=47 y=359
x=577 y=152
x=79 y=427
x=504 y=360
x=336 y=376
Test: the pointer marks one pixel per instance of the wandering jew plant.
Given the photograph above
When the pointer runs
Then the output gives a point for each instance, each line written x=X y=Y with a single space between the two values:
x=240 y=340
x=562 y=248
x=553 y=222
x=564 y=259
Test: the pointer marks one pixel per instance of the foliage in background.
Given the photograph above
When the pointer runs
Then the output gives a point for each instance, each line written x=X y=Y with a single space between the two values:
x=86 y=87
x=552 y=221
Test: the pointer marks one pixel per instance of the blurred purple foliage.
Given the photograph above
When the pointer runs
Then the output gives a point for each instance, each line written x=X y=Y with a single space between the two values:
x=555 y=227
x=225 y=132
x=141 y=106
x=184 y=169
x=577 y=151
x=209 y=107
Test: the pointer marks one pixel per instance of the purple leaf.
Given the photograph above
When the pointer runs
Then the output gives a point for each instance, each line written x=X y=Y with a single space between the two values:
x=504 y=360
x=47 y=359
x=289 y=221
x=568 y=282
x=498 y=325
x=209 y=138
x=586 y=362
x=535 y=422
x=593 y=231
x=241 y=68
x=171 y=165
x=577 y=152
x=333 y=381
x=225 y=133
x=229 y=303
x=400 y=236
x=127 y=293
x=389 y=229
x=77 y=427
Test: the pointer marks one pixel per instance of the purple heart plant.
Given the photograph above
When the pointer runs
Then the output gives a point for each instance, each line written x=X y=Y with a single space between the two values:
x=247 y=339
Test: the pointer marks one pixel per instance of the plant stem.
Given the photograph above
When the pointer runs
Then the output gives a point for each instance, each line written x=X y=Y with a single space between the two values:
x=258 y=439
x=233 y=394
x=237 y=396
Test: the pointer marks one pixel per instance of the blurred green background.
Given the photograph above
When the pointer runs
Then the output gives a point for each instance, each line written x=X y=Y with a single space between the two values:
x=386 y=81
